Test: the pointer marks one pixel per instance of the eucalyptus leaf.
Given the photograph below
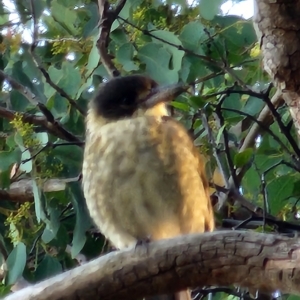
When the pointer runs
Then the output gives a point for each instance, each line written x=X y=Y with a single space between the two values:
x=38 y=202
x=242 y=158
x=83 y=221
x=16 y=262
x=279 y=190
x=8 y=158
x=157 y=60
x=49 y=267
x=208 y=9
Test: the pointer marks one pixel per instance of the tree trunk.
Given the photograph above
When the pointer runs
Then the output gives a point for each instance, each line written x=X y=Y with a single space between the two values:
x=278 y=29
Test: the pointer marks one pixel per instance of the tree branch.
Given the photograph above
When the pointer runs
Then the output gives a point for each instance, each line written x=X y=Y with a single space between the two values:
x=21 y=191
x=253 y=132
x=52 y=126
x=107 y=17
x=259 y=261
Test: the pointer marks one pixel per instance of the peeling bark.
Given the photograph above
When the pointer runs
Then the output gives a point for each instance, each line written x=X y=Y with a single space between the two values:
x=257 y=261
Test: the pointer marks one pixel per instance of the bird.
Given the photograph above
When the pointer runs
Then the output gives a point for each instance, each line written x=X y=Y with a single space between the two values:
x=143 y=178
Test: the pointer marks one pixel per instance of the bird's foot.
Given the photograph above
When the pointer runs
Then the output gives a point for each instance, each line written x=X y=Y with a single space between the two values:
x=142 y=245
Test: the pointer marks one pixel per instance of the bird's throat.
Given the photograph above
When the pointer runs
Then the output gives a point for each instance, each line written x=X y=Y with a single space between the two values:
x=95 y=121
x=159 y=110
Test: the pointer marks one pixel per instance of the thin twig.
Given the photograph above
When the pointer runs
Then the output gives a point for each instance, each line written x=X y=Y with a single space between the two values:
x=54 y=128
x=214 y=146
x=178 y=47
x=254 y=130
x=50 y=145
x=261 y=125
x=231 y=166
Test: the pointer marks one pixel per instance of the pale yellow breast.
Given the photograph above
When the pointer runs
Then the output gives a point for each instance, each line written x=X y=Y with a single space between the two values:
x=141 y=179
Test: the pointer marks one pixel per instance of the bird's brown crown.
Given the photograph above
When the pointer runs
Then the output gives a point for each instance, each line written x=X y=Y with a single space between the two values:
x=119 y=98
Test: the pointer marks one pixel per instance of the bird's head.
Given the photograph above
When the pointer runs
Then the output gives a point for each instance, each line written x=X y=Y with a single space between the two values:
x=131 y=96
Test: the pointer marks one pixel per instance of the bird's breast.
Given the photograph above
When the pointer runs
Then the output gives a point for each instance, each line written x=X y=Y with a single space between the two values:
x=141 y=179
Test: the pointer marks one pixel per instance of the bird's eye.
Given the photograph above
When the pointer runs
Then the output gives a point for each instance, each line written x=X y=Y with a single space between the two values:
x=125 y=101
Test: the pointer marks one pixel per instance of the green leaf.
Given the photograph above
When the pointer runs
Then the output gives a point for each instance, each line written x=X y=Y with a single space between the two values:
x=253 y=106
x=125 y=55
x=39 y=7
x=194 y=67
x=293 y=297
x=65 y=16
x=127 y=10
x=26 y=156
x=191 y=36
x=42 y=137
x=60 y=106
x=119 y=37
x=5 y=179
x=208 y=9
x=236 y=30
x=8 y=158
x=279 y=190
x=180 y=105
x=55 y=75
x=242 y=158
x=38 y=203
x=219 y=135
x=197 y=101
x=68 y=3
x=267 y=160
x=25 y=166
x=166 y=37
x=84 y=87
x=71 y=79
x=157 y=60
x=91 y=25
x=71 y=158
x=83 y=221
x=234 y=102
x=52 y=226
x=49 y=267
x=18 y=101
x=93 y=59
x=16 y=262
x=4 y=290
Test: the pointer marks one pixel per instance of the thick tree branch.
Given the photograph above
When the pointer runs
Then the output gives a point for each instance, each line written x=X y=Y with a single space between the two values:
x=258 y=261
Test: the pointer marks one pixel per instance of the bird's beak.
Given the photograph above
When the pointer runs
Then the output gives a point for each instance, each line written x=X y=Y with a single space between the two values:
x=163 y=94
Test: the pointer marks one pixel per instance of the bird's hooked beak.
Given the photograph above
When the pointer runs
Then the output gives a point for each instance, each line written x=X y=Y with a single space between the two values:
x=163 y=94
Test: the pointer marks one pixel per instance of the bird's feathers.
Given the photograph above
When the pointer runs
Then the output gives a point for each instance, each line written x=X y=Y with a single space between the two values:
x=142 y=176
x=146 y=180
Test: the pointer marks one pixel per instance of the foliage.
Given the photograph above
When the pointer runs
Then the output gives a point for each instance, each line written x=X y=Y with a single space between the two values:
x=51 y=49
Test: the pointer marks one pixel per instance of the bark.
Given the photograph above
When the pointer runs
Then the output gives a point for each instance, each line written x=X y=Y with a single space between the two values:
x=258 y=261
x=278 y=29
x=21 y=191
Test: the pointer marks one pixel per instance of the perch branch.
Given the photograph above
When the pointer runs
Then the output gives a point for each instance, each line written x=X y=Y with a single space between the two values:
x=258 y=261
